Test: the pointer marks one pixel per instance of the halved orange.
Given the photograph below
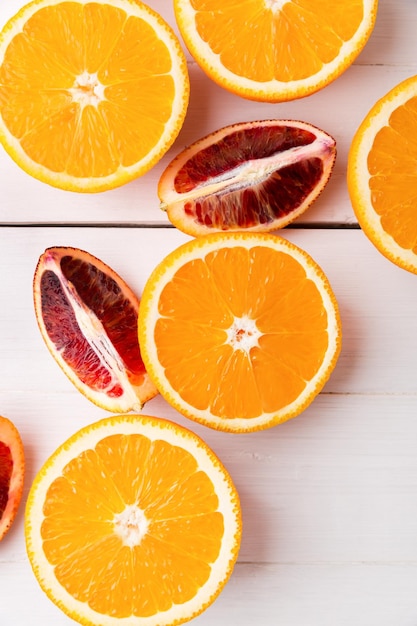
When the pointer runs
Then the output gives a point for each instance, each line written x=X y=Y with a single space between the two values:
x=239 y=331
x=275 y=50
x=382 y=174
x=12 y=473
x=256 y=176
x=88 y=315
x=92 y=94
x=135 y=521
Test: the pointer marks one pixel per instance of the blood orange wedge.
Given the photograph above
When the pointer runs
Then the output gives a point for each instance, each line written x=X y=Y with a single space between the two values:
x=134 y=521
x=256 y=176
x=92 y=94
x=382 y=174
x=239 y=331
x=12 y=473
x=88 y=316
x=275 y=50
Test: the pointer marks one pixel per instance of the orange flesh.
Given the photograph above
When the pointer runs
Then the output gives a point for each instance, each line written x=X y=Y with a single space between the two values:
x=393 y=183
x=228 y=285
x=134 y=75
x=170 y=561
x=295 y=41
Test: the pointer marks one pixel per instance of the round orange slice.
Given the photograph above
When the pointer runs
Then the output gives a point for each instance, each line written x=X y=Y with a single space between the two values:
x=275 y=50
x=382 y=174
x=12 y=473
x=135 y=521
x=88 y=316
x=239 y=331
x=92 y=94
x=256 y=176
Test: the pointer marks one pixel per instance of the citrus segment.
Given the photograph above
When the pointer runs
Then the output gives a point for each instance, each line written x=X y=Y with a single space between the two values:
x=382 y=175
x=239 y=331
x=12 y=472
x=92 y=94
x=275 y=50
x=256 y=176
x=88 y=319
x=133 y=520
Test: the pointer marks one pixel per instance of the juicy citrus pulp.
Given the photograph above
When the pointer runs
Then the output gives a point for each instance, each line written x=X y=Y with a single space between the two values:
x=88 y=316
x=92 y=94
x=382 y=174
x=275 y=50
x=250 y=176
x=133 y=520
x=12 y=472
x=239 y=331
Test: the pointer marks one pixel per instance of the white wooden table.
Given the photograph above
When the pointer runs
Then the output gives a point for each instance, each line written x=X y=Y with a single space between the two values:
x=329 y=498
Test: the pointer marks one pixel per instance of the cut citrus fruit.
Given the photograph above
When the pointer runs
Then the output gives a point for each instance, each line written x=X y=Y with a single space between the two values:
x=88 y=317
x=12 y=473
x=275 y=50
x=92 y=94
x=382 y=175
x=135 y=521
x=256 y=176
x=239 y=331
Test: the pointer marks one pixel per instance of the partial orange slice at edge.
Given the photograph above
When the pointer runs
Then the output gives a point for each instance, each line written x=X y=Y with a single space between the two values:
x=275 y=50
x=12 y=473
x=382 y=174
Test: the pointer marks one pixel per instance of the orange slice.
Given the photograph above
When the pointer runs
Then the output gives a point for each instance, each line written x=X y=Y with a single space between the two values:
x=382 y=175
x=12 y=473
x=88 y=316
x=135 y=521
x=256 y=176
x=275 y=50
x=239 y=331
x=92 y=94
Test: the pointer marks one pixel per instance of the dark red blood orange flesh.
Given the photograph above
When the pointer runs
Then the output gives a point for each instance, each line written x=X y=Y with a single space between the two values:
x=88 y=318
x=251 y=176
x=6 y=468
x=12 y=471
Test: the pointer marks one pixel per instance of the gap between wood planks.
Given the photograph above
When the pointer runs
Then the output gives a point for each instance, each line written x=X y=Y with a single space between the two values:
x=159 y=225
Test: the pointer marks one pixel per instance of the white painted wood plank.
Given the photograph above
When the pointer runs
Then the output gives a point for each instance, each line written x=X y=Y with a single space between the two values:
x=337 y=484
x=388 y=58
x=363 y=595
x=329 y=512
x=329 y=498
x=291 y=595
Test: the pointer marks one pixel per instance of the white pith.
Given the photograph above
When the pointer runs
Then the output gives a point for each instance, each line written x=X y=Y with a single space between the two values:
x=275 y=5
x=131 y=525
x=243 y=334
x=87 y=90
